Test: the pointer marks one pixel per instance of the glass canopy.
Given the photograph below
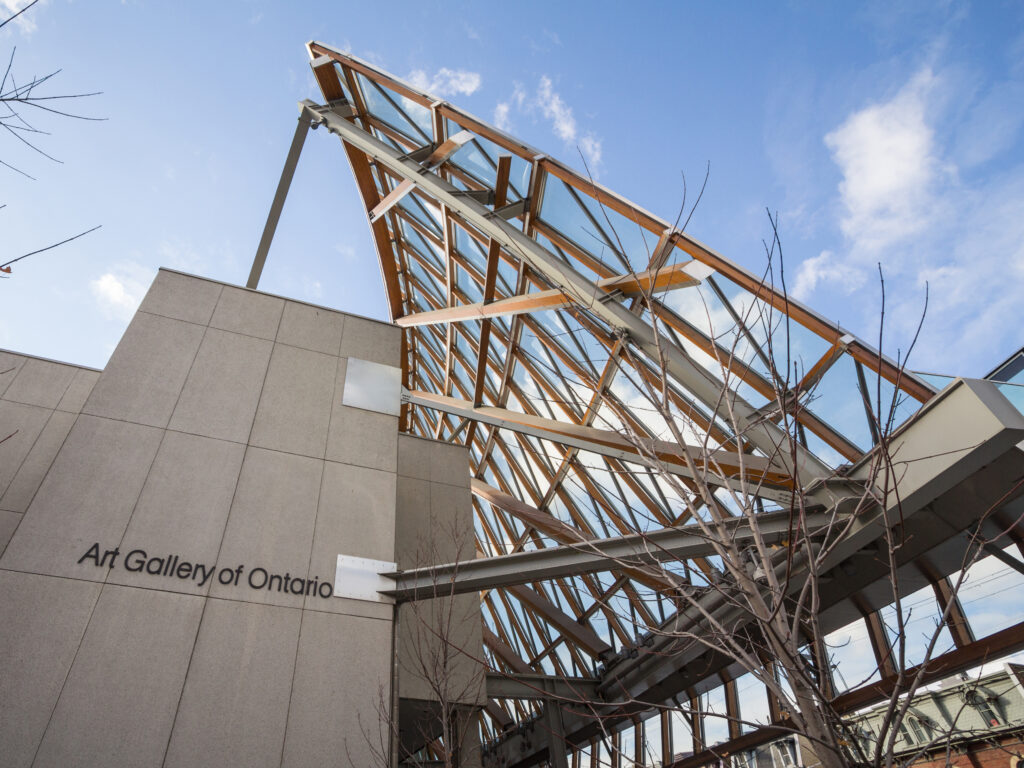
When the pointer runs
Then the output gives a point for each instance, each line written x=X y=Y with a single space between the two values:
x=559 y=331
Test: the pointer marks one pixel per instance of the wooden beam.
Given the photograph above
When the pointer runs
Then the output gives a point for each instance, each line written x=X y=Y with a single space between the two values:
x=650 y=281
x=504 y=651
x=581 y=634
x=434 y=159
x=490 y=281
x=716 y=467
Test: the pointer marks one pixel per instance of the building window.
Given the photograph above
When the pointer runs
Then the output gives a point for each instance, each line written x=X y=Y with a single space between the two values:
x=784 y=754
x=921 y=726
x=985 y=706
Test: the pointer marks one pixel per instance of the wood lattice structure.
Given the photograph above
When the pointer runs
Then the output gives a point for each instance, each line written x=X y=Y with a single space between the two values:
x=534 y=304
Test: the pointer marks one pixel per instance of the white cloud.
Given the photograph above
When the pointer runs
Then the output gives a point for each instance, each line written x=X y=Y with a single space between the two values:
x=347 y=253
x=886 y=153
x=120 y=291
x=501 y=115
x=563 y=123
x=826 y=268
x=591 y=149
x=556 y=110
x=25 y=22
x=446 y=82
x=502 y=111
x=907 y=202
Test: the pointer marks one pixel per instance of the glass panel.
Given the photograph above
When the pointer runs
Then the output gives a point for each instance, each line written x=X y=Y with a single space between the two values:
x=476 y=164
x=992 y=594
x=386 y=112
x=753 y=698
x=561 y=211
x=716 y=725
x=851 y=656
x=837 y=400
x=920 y=619
x=417 y=113
x=1014 y=393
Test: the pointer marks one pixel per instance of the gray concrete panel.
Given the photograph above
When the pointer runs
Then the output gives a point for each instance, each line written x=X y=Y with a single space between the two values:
x=363 y=437
x=334 y=700
x=20 y=426
x=10 y=364
x=449 y=464
x=223 y=388
x=144 y=377
x=86 y=498
x=433 y=523
x=42 y=621
x=8 y=522
x=355 y=517
x=433 y=460
x=451 y=513
x=248 y=312
x=413 y=539
x=295 y=405
x=312 y=328
x=369 y=340
x=440 y=645
x=182 y=511
x=33 y=469
x=40 y=382
x=414 y=456
x=78 y=391
x=181 y=297
x=271 y=525
x=235 y=704
x=118 y=704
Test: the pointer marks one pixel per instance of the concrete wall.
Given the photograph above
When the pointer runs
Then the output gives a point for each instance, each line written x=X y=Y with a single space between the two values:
x=216 y=435
x=440 y=641
x=39 y=400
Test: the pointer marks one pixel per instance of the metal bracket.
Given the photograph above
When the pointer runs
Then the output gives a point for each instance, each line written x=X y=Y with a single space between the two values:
x=420 y=154
x=482 y=196
x=512 y=210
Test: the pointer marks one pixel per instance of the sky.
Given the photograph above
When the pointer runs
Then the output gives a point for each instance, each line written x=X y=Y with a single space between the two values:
x=886 y=136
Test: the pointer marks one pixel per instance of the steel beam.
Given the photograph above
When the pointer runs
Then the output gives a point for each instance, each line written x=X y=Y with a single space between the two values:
x=520 y=686
x=433 y=160
x=277 y=205
x=635 y=552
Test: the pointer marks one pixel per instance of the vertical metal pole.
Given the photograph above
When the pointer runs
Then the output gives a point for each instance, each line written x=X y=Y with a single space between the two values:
x=556 y=741
x=305 y=118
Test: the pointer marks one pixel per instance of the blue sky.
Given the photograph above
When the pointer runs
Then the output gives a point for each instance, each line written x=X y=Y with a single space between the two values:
x=880 y=132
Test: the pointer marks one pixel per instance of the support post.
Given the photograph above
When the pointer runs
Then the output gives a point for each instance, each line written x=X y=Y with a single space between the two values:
x=556 y=743
x=305 y=118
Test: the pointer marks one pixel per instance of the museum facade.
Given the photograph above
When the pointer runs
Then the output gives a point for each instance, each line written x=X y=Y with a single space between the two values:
x=192 y=537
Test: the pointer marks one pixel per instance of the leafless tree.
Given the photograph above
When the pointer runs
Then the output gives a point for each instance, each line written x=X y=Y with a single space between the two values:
x=440 y=669
x=20 y=104
x=756 y=599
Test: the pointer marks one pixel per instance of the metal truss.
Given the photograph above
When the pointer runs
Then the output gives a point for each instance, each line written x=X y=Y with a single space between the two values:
x=538 y=310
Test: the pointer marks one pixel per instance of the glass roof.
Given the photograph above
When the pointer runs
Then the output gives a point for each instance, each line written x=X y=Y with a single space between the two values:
x=569 y=346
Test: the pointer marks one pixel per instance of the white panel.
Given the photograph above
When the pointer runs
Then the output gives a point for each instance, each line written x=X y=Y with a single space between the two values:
x=359 y=578
x=372 y=386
